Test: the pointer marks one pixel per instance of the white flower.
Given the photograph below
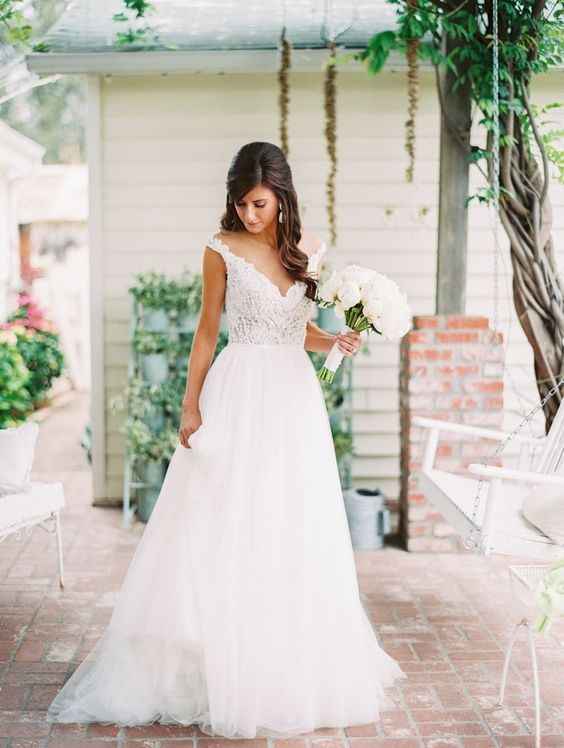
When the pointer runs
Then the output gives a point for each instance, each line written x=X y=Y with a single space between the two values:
x=396 y=317
x=357 y=274
x=339 y=309
x=372 y=309
x=328 y=289
x=349 y=294
x=380 y=285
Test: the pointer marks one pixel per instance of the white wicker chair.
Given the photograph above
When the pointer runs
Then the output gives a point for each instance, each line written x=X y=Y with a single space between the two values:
x=41 y=505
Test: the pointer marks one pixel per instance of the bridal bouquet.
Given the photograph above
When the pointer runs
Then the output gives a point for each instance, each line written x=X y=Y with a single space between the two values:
x=368 y=301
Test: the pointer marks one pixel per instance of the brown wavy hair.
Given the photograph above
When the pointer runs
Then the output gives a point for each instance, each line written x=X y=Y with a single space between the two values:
x=263 y=163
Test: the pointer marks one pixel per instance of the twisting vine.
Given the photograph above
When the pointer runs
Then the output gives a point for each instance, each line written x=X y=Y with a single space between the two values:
x=531 y=35
x=284 y=91
x=330 y=91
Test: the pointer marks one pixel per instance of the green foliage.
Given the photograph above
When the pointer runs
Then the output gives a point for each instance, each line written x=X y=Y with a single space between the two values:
x=145 y=445
x=15 y=29
x=530 y=43
x=30 y=359
x=176 y=296
x=140 y=7
x=15 y=400
x=136 y=36
x=147 y=342
x=549 y=137
x=43 y=357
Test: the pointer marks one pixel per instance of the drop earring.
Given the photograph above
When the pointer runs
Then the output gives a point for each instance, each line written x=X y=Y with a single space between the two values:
x=280 y=216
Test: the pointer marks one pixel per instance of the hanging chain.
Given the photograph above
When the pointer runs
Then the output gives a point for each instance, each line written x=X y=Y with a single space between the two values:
x=495 y=99
x=472 y=541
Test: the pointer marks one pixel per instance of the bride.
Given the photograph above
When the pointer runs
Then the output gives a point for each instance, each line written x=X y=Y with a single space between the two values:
x=240 y=610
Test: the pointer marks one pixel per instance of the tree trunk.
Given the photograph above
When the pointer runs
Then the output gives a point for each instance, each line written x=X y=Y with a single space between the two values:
x=526 y=215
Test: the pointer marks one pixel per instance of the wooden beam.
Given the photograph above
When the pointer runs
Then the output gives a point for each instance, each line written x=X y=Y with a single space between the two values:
x=96 y=249
x=453 y=191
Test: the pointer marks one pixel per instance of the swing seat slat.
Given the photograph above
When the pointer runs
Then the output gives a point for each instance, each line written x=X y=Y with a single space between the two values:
x=453 y=495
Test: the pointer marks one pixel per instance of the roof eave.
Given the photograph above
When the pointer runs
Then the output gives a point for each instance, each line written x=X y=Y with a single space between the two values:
x=191 y=61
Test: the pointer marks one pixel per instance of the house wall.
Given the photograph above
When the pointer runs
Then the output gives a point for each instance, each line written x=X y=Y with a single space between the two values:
x=166 y=144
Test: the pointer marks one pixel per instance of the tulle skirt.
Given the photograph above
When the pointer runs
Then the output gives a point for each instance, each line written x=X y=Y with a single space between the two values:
x=240 y=610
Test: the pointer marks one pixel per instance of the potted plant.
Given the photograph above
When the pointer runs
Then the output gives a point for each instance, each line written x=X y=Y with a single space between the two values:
x=142 y=401
x=150 y=454
x=183 y=301
x=152 y=291
x=153 y=349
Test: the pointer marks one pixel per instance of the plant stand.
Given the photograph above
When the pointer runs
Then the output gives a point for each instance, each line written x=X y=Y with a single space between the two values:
x=139 y=485
x=524 y=581
x=131 y=484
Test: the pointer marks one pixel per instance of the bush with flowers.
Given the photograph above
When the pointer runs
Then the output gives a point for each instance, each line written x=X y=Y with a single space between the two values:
x=30 y=334
x=15 y=401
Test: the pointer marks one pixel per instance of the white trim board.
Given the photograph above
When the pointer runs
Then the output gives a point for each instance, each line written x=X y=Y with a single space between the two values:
x=197 y=61
x=96 y=249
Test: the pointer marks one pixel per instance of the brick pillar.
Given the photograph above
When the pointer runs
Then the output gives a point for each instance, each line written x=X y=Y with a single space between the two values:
x=451 y=369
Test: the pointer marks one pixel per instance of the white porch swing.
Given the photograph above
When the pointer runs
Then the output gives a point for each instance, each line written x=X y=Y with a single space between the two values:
x=494 y=522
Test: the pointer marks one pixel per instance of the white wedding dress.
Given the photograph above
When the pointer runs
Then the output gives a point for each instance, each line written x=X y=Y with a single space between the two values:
x=240 y=610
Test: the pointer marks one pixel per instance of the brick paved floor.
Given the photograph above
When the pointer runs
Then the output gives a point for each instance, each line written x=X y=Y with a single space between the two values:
x=445 y=617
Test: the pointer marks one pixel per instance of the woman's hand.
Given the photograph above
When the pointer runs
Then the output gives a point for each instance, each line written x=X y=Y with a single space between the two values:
x=348 y=342
x=190 y=421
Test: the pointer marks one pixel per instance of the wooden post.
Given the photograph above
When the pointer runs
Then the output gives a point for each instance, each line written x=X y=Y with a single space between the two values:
x=453 y=191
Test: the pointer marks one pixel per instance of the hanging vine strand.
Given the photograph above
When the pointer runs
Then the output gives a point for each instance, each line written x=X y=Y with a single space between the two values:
x=330 y=90
x=284 y=91
x=412 y=46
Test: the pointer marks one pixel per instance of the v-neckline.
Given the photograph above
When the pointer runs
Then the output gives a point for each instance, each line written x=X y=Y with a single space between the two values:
x=263 y=275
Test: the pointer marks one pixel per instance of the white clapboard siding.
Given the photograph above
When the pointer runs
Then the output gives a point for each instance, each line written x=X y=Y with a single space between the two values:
x=166 y=146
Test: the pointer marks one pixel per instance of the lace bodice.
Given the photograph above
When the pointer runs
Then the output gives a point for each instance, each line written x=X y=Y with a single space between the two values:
x=257 y=311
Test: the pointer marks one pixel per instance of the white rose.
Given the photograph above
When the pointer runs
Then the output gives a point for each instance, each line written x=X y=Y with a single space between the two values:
x=339 y=309
x=328 y=289
x=358 y=274
x=396 y=318
x=349 y=294
x=372 y=309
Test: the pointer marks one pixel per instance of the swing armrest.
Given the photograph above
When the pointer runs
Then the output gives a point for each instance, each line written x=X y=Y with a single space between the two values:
x=526 y=476
x=463 y=428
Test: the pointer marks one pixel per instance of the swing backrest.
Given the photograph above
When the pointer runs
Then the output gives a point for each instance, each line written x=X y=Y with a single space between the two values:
x=551 y=458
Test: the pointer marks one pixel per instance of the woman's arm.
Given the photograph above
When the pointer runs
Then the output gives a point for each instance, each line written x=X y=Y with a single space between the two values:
x=318 y=340
x=204 y=342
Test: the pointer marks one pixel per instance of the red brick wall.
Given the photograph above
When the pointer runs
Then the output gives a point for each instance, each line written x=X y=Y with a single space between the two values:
x=451 y=368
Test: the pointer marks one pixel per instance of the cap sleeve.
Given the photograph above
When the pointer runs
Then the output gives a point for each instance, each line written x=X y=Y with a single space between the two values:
x=215 y=242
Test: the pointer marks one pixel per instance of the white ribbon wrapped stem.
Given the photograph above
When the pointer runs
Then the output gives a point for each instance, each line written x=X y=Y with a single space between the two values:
x=335 y=356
